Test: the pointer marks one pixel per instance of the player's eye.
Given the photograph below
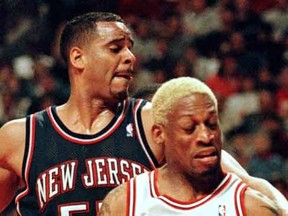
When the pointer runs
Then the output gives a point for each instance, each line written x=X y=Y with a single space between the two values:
x=212 y=125
x=115 y=49
x=189 y=130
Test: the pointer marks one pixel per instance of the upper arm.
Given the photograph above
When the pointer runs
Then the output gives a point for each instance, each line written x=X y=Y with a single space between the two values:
x=147 y=121
x=12 y=144
x=258 y=204
x=115 y=202
x=229 y=164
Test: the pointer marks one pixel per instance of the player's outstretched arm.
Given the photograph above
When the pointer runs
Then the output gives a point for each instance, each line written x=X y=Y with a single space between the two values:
x=258 y=204
x=229 y=164
x=115 y=202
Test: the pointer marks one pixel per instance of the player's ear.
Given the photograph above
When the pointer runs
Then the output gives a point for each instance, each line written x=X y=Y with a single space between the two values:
x=158 y=134
x=76 y=57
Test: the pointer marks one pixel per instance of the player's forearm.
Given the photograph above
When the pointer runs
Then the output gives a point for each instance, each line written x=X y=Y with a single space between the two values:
x=7 y=187
x=269 y=190
x=229 y=164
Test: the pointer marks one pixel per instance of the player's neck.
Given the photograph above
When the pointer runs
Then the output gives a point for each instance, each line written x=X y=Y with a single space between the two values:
x=86 y=118
x=188 y=189
x=208 y=183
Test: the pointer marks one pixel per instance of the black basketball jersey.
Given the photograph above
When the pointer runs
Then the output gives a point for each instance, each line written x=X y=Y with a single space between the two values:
x=68 y=173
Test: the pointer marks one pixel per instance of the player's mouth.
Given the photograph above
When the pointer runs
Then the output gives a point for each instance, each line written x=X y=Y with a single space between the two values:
x=124 y=75
x=207 y=156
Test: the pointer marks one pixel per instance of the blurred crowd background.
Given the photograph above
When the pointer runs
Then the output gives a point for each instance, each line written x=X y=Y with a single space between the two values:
x=238 y=47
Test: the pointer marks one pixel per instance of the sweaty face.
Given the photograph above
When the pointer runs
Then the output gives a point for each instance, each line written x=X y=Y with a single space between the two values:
x=193 y=137
x=109 y=61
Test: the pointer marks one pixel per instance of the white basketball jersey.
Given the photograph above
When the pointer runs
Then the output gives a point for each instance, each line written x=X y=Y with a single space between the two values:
x=144 y=199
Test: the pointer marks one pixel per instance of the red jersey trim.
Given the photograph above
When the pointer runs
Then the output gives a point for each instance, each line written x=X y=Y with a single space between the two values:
x=87 y=141
x=131 y=197
x=184 y=205
x=239 y=199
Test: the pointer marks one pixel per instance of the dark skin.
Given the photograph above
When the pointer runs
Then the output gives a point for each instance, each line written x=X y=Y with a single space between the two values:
x=100 y=73
x=192 y=140
x=193 y=144
x=107 y=60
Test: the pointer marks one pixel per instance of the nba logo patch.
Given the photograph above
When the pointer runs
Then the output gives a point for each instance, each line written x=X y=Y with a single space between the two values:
x=129 y=130
x=222 y=210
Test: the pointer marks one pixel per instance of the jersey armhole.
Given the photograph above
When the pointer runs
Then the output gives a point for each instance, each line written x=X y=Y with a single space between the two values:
x=131 y=197
x=27 y=142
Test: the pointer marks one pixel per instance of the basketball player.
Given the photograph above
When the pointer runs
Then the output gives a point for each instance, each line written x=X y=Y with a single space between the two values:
x=64 y=160
x=192 y=181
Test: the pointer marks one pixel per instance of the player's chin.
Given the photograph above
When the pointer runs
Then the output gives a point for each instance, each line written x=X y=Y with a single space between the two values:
x=120 y=92
x=122 y=95
x=209 y=167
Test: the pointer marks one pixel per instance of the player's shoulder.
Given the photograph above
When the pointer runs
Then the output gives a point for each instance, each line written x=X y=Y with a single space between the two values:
x=259 y=204
x=147 y=110
x=115 y=201
x=12 y=134
x=13 y=127
x=148 y=105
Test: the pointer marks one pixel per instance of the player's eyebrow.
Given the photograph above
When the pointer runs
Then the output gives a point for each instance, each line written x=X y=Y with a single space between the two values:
x=117 y=40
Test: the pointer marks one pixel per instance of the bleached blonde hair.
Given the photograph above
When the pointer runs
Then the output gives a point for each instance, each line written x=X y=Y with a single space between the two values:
x=173 y=90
